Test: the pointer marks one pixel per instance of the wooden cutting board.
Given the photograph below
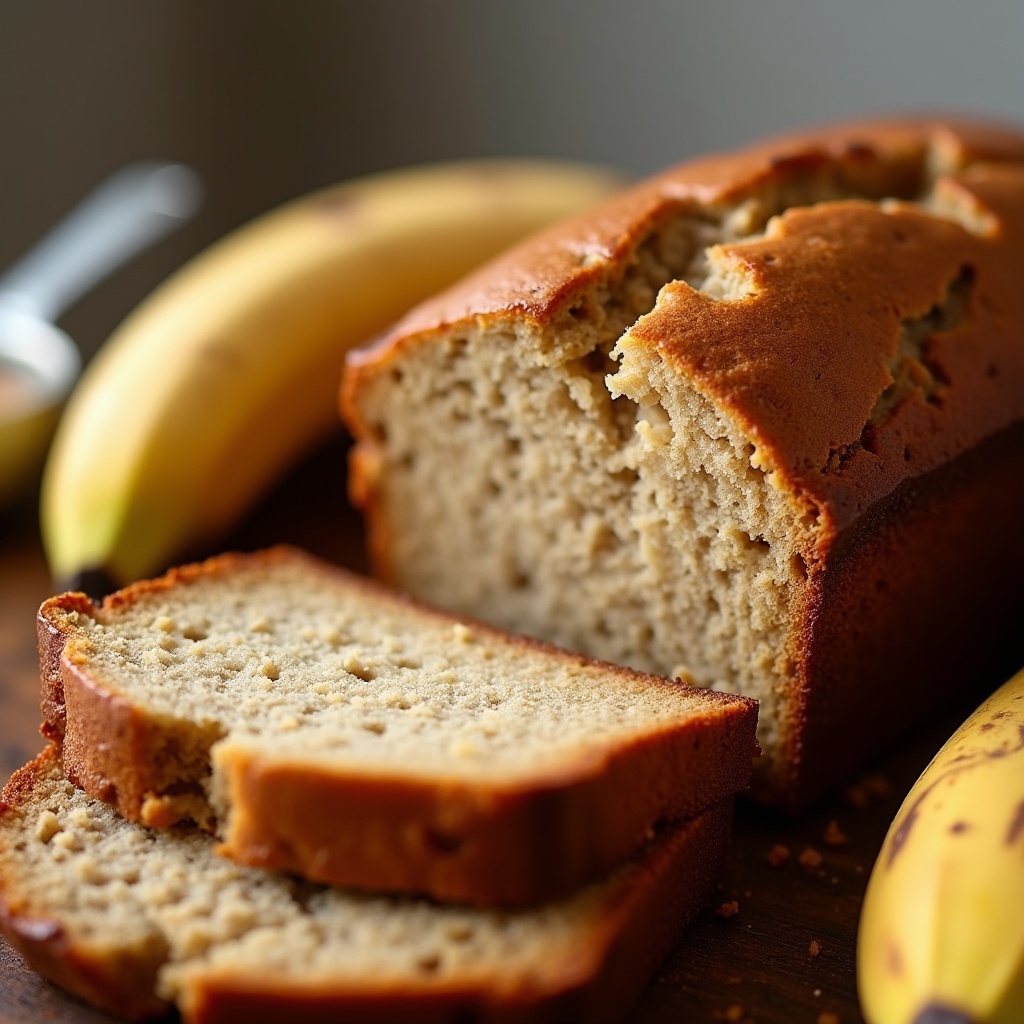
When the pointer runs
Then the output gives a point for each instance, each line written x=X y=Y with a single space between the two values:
x=776 y=946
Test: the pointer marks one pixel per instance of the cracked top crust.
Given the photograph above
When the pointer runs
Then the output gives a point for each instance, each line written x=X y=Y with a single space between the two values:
x=840 y=333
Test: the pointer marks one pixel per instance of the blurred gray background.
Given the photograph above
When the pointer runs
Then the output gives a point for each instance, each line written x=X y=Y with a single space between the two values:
x=270 y=99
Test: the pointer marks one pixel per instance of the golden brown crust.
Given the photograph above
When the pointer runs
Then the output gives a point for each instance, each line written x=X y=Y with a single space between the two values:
x=123 y=984
x=845 y=270
x=52 y=627
x=508 y=845
x=614 y=962
x=124 y=988
x=105 y=743
x=513 y=844
x=538 y=278
x=878 y=661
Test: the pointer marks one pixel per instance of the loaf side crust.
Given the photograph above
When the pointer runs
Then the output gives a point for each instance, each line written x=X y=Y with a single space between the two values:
x=893 y=630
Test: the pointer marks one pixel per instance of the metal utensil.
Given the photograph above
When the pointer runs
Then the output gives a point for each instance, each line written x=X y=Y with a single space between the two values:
x=130 y=211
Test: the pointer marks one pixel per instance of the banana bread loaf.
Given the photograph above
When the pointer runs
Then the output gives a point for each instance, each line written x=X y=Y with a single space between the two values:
x=755 y=423
x=324 y=726
x=133 y=920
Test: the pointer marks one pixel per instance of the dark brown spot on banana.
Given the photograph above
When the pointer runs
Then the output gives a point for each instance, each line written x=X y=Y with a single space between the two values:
x=340 y=205
x=221 y=353
x=964 y=762
x=1016 y=829
x=893 y=959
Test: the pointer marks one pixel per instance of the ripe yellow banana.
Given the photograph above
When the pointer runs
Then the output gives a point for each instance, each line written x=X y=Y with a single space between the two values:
x=229 y=371
x=942 y=928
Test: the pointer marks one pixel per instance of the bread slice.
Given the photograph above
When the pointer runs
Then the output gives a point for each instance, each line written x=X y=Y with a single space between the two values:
x=325 y=726
x=132 y=919
x=757 y=421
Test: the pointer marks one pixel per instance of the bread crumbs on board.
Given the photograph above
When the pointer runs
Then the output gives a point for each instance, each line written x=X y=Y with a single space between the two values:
x=810 y=858
x=857 y=796
x=834 y=835
x=877 y=784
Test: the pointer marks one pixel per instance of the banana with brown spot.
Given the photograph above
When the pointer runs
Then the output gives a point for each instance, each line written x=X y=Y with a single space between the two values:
x=941 y=936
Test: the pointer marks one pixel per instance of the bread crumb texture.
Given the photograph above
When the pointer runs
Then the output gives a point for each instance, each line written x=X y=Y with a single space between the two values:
x=283 y=656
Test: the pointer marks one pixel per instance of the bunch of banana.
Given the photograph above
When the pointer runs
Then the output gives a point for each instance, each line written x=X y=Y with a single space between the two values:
x=942 y=928
x=229 y=371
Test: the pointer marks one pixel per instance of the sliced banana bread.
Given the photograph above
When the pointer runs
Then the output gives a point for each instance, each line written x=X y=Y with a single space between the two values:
x=133 y=919
x=322 y=725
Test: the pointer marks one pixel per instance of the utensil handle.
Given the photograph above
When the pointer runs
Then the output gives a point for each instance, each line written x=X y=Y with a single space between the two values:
x=134 y=208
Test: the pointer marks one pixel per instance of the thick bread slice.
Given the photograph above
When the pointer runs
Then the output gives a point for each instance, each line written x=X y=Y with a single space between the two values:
x=764 y=410
x=325 y=726
x=132 y=919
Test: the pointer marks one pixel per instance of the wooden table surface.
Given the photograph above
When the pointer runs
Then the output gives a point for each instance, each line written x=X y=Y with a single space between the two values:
x=785 y=955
